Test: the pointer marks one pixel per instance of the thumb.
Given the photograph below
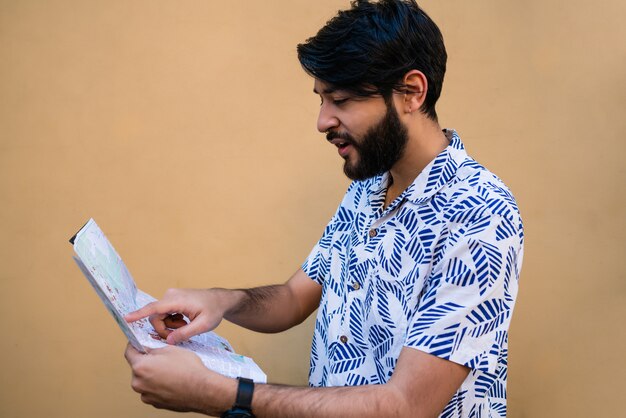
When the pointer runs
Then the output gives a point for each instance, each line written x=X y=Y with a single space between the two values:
x=132 y=354
x=185 y=332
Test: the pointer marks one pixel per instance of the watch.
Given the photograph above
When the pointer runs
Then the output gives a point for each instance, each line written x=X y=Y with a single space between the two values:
x=243 y=402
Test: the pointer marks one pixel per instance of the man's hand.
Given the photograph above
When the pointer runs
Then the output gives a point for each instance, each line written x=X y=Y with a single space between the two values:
x=204 y=307
x=264 y=309
x=175 y=379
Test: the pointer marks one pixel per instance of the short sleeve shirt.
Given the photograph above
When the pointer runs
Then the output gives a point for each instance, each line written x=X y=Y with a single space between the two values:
x=437 y=271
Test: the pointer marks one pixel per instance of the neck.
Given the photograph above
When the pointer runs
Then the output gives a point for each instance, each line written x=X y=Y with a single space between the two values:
x=426 y=141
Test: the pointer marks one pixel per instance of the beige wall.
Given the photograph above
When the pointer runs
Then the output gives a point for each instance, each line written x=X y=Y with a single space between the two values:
x=187 y=130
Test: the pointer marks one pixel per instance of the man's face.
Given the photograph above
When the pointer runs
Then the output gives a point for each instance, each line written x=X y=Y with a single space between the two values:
x=377 y=150
x=368 y=148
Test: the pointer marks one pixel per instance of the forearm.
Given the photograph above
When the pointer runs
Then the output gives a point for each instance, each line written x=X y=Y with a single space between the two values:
x=263 y=309
x=272 y=401
x=273 y=308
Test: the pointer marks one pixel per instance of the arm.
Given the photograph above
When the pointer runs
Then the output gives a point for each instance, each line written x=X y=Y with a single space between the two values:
x=265 y=309
x=275 y=308
x=421 y=386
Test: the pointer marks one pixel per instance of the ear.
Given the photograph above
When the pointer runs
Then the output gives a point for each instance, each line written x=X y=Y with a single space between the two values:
x=416 y=88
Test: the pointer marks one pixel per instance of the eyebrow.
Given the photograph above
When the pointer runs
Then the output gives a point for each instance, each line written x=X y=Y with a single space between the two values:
x=327 y=90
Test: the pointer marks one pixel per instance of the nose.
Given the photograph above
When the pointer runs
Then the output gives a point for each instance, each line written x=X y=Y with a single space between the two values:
x=326 y=119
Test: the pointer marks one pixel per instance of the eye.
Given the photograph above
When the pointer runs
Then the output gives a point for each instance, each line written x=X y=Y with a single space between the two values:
x=339 y=102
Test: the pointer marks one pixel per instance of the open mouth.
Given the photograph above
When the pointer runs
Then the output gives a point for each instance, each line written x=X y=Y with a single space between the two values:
x=343 y=144
x=343 y=148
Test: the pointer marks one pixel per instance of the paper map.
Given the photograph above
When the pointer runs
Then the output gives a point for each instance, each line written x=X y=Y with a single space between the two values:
x=111 y=280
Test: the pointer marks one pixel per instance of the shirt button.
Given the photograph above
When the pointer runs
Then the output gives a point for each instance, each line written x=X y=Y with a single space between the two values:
x=343 y=339
x=373 y=233
x=356 y=286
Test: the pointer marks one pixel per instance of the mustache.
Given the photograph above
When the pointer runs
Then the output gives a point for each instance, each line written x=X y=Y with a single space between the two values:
x=341 y=135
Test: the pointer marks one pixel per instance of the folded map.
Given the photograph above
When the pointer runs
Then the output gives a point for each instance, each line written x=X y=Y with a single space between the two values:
x=107 y=273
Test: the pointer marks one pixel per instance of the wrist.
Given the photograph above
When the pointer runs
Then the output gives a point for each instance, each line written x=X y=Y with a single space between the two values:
x=232 y=299
x=242 y=407
x=218 y=394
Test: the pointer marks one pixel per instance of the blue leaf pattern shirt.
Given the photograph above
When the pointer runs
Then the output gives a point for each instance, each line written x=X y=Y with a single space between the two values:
x=437 y=271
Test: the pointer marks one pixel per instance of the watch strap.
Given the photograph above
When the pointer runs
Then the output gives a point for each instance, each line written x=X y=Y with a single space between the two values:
x=245 y=390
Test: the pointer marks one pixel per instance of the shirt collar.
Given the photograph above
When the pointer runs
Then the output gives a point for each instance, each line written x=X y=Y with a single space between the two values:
x=432 y=178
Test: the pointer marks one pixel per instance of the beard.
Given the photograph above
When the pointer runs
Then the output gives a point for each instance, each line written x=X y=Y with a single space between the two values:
x=378 y=150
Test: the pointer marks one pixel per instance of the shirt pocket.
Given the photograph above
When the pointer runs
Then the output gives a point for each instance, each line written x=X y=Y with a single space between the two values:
x=388 y=301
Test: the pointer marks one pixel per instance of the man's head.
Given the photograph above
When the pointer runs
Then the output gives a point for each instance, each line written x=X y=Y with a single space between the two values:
x=368 y=49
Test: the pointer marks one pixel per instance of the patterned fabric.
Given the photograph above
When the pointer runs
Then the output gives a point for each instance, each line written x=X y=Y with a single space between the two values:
x=436 y=271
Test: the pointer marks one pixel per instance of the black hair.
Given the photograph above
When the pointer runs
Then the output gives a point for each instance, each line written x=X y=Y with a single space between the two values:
x=368 y=49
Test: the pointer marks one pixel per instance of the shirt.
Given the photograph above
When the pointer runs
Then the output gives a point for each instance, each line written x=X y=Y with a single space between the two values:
x=437 y=270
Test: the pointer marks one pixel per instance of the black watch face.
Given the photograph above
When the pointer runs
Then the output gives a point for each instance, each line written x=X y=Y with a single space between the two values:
x=237 y=413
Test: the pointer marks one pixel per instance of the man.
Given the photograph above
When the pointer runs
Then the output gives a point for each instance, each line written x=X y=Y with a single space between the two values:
x=415 y=276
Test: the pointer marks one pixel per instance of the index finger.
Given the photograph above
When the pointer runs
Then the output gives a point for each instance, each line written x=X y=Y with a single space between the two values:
x=152 y=308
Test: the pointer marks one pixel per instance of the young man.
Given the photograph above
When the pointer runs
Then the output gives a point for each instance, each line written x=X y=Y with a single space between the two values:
x=415 y=276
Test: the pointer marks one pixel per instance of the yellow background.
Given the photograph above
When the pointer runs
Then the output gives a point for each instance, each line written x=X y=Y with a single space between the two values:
x=187 y=130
